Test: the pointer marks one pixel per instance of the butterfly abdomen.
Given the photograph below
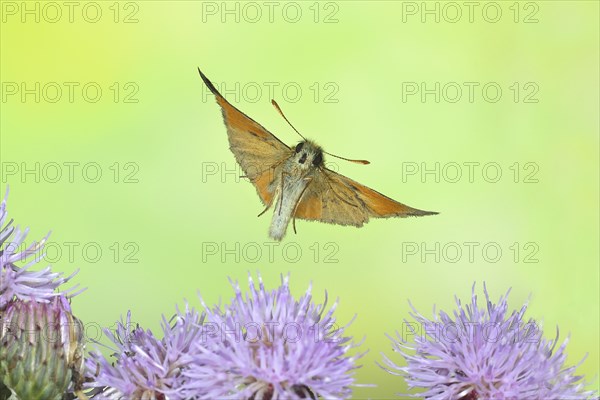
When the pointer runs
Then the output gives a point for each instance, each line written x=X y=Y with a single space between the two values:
x=293 y=188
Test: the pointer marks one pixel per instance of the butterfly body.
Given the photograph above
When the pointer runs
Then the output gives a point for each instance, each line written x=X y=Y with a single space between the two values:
x=294 y=181
x=295 y=175
x=292 y=188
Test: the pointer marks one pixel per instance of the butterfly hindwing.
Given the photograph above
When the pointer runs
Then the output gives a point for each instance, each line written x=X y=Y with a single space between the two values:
x=336 y=199
x=257 y=150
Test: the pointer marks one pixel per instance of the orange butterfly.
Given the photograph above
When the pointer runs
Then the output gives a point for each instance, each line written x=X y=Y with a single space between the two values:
x=295 y=178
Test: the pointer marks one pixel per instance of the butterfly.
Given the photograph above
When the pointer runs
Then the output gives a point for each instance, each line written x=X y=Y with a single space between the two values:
x=294 y=180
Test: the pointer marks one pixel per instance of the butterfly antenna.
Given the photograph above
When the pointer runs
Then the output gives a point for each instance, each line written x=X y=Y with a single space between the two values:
x=286 y=120
x=364 y=162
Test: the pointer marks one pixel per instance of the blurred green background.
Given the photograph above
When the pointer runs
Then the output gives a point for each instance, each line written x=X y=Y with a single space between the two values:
x=167 y=216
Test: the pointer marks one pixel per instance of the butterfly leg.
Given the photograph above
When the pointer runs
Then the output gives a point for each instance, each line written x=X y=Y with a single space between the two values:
x=252 y=179
x=265 y=210
x=298 y=203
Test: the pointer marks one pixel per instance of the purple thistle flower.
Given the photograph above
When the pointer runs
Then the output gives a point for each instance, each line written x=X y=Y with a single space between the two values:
x=270 y=346
x=145 y=367
x=21 y=282
x=484 y=353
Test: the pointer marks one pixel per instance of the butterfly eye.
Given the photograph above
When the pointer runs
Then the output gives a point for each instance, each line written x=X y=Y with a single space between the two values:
x=299 y=147
x=318 y=159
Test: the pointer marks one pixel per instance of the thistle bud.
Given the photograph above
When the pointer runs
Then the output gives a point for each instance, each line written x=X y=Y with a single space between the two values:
x=41 y=353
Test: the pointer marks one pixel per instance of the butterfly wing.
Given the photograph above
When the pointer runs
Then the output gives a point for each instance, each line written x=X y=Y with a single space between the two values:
x=336 y=199
x=257 y=150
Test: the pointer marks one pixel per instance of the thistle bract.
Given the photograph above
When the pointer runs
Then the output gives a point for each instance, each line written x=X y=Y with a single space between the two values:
x=42 y=349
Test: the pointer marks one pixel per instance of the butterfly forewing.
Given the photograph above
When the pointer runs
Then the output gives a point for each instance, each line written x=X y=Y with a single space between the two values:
x=257 y=150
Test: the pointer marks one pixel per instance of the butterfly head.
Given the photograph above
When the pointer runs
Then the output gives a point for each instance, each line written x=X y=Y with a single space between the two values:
x=308 y=155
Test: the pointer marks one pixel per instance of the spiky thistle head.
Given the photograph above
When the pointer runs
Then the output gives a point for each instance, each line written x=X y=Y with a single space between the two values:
x=483 y=353
x=143 y=366
x=21 y=282
x=269 y=345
